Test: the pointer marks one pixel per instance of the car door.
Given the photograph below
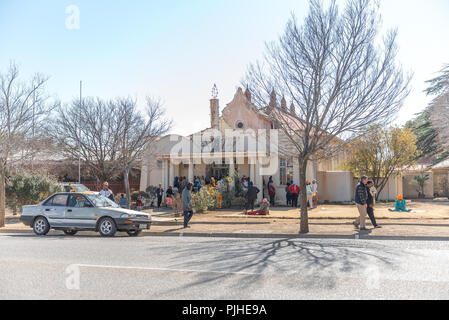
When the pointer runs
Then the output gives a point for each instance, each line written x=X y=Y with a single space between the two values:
x=79 y=213
x=54 y=209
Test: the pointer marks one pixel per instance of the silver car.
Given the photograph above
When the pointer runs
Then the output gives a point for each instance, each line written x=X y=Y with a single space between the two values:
x=73 y=212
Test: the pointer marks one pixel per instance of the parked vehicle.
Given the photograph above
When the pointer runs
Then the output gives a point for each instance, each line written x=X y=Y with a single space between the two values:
x=74 y=187
x=75 y=211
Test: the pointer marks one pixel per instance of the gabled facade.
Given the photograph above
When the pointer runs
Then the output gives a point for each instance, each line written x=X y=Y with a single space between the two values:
x=206 y=153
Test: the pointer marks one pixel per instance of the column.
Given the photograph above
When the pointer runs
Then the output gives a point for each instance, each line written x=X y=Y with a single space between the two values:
x=231 y=171
x=258 y=182
x=190 y=177
x=252 y=169
x=164 y=174
x=171 y=177
x=144 y=178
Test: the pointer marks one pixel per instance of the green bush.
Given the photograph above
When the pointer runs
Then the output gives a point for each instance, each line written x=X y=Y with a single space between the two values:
x=29 y=188
x=204 y=200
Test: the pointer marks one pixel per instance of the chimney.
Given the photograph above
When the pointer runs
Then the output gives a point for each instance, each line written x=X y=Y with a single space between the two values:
x=273 y=102
x=284 y=104
x=292 y=109
x=248 y=94
x=214 y=109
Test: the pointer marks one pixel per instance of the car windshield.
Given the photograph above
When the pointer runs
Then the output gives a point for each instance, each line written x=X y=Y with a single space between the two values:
x=100 y=201
x=81 y=188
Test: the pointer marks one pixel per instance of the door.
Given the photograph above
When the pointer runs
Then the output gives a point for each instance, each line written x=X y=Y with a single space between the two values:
x=80 y=213
x=54 y=209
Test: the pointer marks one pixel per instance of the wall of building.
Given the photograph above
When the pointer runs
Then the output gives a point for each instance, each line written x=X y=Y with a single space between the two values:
x=410 y=186
x=392 y=189
x=335 y=186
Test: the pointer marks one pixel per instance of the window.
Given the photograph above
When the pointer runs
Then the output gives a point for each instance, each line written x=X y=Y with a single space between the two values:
x=79 y=202
x=159 y=164
x=285 y=170
x=239 y=124
x=59 y=200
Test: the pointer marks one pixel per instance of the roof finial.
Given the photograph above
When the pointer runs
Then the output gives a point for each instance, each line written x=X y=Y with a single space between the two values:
x=214 y=92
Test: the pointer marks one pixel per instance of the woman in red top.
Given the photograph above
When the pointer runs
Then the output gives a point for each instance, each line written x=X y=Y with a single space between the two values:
x=294 y=190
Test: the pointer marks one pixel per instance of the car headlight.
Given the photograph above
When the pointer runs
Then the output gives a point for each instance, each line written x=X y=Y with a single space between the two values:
x=124 y=215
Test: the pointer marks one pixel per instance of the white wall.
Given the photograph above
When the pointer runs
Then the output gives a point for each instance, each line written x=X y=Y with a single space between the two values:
x=335 y=186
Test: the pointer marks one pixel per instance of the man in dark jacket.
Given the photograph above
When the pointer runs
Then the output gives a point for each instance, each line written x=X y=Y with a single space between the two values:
x=251 y=196
x=159 y=194
x=361 y=197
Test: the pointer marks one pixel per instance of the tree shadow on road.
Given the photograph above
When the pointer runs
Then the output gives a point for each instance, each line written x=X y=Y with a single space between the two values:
x=310 y=260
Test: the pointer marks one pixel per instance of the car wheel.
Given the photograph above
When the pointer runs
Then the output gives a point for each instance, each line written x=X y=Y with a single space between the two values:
x=70 y=232
x=41 y=226
x=107 y=227
x=134 y=233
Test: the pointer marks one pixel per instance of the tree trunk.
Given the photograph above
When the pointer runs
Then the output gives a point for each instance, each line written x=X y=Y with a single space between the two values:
x=2 y=196
x=128 y=191
x=304 y=225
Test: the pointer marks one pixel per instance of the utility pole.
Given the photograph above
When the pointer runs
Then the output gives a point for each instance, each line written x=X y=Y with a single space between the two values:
x=79 y=145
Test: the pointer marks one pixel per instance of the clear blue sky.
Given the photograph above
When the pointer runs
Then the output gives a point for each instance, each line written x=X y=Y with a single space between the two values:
x=178 y=49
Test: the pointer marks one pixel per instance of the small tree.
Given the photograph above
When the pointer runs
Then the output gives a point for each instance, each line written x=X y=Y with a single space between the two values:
x=382 y=153
x=421 y=179
x=29 y=188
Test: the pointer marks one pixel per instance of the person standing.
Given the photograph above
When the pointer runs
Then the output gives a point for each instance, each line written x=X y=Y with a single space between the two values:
x=123 y=201
x=170 y=194
x=106 y=192
x=315 y=194
x=309 y=194
x=288 y=195
x=139 y=203
x=370 y=203
x=251 y=196
x=361 y=196
x=159 y=194
x=294 y=192
x=272 y=193
x=187 y=206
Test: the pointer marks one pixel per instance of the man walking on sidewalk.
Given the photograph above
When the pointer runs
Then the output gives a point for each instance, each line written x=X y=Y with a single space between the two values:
x=187 y=206
x=361 y=197
x=370 y=203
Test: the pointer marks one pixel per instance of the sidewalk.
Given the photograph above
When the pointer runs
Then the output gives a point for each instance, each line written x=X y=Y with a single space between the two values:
x=427 y=222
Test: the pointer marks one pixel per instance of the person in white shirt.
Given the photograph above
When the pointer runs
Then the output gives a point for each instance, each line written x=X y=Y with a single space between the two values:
x=106 y=192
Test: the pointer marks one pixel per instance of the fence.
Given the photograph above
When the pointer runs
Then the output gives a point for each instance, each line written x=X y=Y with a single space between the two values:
x=116 y=187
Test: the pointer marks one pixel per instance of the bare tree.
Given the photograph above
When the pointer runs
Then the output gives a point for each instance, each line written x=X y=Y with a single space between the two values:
x=339 y=76
x=22 y=105
x=89 y=129
x=137 y=132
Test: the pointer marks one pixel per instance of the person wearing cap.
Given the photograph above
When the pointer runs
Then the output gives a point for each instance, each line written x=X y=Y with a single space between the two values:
x=400 y=205
x=106 y=192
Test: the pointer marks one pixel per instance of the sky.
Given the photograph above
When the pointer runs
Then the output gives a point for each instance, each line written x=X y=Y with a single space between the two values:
x=176 y=50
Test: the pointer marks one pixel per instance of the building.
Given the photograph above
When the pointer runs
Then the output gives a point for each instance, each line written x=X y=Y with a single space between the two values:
x=210 y=152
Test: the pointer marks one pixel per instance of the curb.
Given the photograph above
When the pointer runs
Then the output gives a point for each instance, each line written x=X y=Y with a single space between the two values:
x=355 y=236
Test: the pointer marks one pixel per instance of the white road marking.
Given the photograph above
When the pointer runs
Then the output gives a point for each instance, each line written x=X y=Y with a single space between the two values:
x=166 y=269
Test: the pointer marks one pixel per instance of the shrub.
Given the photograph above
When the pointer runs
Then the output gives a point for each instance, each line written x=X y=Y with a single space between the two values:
x=204 y=200
x=29 y=188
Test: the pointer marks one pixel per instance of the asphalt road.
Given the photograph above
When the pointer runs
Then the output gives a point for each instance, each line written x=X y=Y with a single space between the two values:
x=90 y=267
